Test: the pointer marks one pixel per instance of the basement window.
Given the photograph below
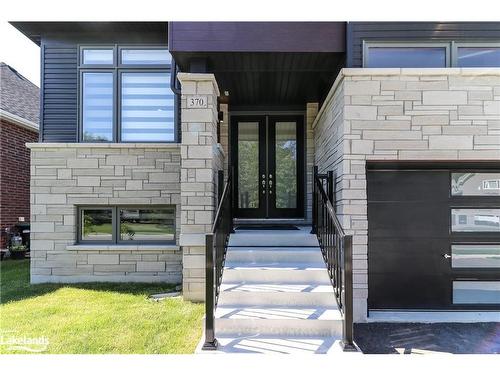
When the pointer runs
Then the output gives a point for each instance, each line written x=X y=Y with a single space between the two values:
x=126 y=224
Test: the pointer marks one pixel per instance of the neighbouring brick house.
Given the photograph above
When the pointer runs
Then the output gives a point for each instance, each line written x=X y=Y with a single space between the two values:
x=402 y=119
x=19 y=115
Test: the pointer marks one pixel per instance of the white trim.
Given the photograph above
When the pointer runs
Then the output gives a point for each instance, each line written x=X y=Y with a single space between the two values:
x=17 y=120
x=42 y=145
x=433 y=316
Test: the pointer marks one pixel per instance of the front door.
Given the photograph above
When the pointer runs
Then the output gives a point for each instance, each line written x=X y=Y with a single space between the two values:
x=268 y=159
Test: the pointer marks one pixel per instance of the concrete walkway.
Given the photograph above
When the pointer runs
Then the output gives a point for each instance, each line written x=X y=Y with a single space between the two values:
x=421 y=338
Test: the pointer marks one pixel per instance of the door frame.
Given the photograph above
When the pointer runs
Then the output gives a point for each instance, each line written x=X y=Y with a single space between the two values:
x=301 y=158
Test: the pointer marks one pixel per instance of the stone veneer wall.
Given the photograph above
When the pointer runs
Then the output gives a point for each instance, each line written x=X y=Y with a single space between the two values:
x=401 y=114
x=65 y=175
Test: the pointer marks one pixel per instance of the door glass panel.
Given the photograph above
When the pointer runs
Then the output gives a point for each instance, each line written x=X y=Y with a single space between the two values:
x=475 y=220
x=476 y=292
x=475 y=184
x=475 y=256
x=286 y=165
x=248 y=165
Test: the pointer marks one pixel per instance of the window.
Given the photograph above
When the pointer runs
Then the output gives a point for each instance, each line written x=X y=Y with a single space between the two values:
x=96 y=224
x=126 y=224
x=147 y=107
x=475 y=220
x=97 y=56
x=475 y=184
x=430 y=54
x=476 y=292
x=391 y=55
x=145 y=57
x=126 y=101
x=475 y=256
x=473 y=55
x=97 y=106
x=142 y=224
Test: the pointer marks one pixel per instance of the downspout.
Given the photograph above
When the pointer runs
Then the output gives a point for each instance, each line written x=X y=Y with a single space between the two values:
x=176 y=89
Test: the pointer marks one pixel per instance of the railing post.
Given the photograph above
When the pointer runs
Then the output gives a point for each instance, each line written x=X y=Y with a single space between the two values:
x=330 y=186
x=314 y=198
x=220 y=185
x=210 y=340
x=231 y=198
x=347 y=336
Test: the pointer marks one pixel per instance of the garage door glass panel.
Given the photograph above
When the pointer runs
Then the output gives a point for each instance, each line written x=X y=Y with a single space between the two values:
x=476 y=292
x=248 y=167
x=475 y=220
x=286 y=165
x=475 y=256
x=475 y=184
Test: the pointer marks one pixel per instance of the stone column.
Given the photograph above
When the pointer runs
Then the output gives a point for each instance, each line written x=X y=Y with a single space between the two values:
x=200 y=159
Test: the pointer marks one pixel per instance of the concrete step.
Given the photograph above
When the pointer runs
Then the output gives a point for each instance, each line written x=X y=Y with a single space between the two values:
x=301 y=238
x=293 y=295
x=275 y=273
x=269 y=344
x=274 y=254
x=276 y=320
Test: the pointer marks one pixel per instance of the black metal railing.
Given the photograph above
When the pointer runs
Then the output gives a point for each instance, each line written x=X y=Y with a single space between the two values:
x=216 y=247
x=336 y=248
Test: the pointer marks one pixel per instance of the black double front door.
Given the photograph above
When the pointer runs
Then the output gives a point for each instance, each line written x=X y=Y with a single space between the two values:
x=268 y=160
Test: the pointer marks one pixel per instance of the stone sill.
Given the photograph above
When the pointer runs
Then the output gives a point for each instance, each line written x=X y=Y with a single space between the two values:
x=102 y=145
x=88 y=247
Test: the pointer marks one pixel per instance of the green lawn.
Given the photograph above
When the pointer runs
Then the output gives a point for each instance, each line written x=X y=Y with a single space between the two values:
x=95 y=317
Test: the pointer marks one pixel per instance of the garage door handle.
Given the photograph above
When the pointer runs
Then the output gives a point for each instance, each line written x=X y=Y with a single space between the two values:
x=446 y=256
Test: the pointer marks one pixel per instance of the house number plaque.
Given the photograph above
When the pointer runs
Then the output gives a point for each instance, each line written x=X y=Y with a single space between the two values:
x=197 y=101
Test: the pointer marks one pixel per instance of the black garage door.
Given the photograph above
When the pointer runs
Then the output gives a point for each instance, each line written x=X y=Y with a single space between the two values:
x=433 y=236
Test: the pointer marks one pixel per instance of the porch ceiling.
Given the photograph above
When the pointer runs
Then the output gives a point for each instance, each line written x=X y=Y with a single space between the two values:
x=269 y=78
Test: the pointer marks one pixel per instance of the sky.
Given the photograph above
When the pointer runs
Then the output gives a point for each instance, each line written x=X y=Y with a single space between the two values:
x=19 y=52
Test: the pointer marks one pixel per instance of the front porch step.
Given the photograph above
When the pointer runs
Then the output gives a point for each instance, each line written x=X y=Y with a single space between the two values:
x=293 y=295
x=275 y=273
x=273 y=238
x=272 y=344
x=276 y=320
x=249 y=254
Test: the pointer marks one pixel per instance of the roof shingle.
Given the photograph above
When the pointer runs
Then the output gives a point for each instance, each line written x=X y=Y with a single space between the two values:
x=18 y=95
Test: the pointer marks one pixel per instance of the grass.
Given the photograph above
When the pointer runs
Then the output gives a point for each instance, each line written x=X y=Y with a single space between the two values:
x=95 y=317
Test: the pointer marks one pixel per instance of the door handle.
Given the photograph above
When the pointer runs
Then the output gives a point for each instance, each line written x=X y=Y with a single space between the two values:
x=446 y=256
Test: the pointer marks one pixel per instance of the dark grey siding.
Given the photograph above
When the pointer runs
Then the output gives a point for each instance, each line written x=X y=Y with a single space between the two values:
x=59 y=92
x=414 y=31
x=257 y=36
x=59 y=83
